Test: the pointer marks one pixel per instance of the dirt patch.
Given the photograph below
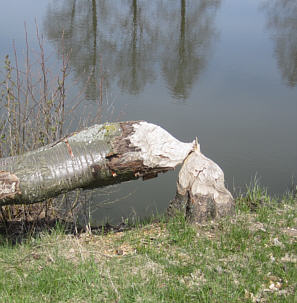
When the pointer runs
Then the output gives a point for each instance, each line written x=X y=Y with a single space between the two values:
x=291 y=232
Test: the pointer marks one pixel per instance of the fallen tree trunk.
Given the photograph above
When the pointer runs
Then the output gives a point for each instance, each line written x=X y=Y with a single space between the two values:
x=98 y=156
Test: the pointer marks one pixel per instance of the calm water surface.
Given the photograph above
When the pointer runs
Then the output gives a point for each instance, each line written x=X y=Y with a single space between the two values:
x=222 y=70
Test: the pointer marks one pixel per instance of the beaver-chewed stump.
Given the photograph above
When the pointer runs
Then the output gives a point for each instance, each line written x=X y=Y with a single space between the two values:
x=201 y=194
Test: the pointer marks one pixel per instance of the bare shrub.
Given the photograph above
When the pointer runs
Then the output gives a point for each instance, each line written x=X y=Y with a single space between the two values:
x=35 y=110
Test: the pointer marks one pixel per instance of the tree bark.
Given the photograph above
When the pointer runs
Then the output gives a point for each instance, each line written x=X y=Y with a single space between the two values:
x=97 y=156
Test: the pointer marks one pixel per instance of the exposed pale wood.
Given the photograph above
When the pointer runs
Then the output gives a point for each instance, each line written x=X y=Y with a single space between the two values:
x=9 y=185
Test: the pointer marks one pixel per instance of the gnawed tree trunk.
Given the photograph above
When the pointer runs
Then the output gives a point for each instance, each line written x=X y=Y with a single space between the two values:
x=201 y=194
x=98 y=156
x=111 y=153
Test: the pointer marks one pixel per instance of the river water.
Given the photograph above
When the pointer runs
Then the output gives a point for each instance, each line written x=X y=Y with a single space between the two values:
x=222 y=70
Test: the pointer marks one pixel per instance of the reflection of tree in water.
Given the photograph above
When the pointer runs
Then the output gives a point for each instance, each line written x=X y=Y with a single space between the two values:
x=111 y=34
x=138 y=43
x=77 y=23
x=282 y=21
x=123 y=40
x=188 y=43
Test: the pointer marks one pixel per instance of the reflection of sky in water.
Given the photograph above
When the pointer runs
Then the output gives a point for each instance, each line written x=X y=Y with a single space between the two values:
x=213 y=69
x=13 y=14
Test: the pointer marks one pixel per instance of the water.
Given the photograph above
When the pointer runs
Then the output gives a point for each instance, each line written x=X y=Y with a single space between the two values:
x=222 y=70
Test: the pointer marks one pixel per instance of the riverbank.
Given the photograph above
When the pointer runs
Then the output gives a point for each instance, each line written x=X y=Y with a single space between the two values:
x=250 y=257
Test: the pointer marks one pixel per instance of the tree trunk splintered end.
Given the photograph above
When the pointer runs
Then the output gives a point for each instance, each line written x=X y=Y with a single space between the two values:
x=201 y=194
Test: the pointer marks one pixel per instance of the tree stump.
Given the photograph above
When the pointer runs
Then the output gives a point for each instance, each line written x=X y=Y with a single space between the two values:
x=201 y=194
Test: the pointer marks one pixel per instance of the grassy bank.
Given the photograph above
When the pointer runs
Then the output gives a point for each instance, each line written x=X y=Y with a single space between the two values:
x=250 y=257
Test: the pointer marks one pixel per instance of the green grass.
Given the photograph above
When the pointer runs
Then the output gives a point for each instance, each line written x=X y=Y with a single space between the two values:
x=250 y=257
